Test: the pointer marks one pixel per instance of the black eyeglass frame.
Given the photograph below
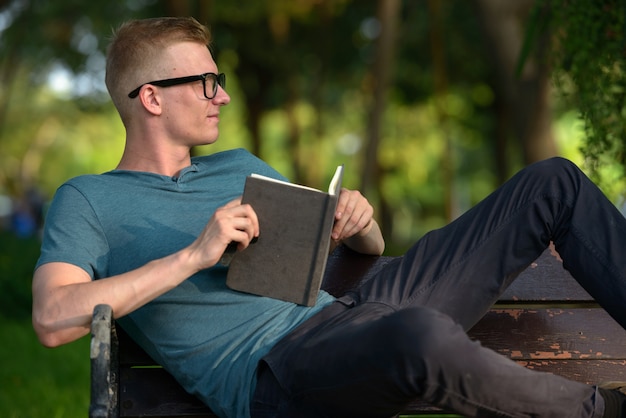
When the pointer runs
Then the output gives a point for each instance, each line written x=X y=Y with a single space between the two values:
x=220 y=80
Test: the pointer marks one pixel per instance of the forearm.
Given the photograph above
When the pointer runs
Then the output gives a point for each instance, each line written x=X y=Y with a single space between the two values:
x=62 y=312
x=368 y=241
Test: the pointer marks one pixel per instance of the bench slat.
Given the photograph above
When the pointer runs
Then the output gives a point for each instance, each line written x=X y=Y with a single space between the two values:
x=530 y=334
x=545 y=280
x=585 y=371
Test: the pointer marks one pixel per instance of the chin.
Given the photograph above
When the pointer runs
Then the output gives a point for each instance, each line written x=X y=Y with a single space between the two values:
x=208 y=140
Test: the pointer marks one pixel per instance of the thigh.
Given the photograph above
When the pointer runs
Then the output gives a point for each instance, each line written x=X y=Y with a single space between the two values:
x=371 y=361
x=368 y=361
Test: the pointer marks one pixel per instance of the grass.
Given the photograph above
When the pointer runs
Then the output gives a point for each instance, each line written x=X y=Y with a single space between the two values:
x=36 y=381
x=40 y=382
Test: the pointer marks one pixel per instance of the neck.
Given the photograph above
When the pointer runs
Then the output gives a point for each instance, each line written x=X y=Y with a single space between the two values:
x=154 y=157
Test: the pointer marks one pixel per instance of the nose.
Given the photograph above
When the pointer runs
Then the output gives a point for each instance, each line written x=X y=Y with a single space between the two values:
x=221 y=98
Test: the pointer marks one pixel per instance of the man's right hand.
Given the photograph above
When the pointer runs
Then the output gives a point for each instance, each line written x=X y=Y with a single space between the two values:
x=232 y=222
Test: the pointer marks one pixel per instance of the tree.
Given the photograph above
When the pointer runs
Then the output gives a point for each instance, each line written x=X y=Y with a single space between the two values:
x=589 y=58
x=381 y=73
x=423 y=102
x=522 y=97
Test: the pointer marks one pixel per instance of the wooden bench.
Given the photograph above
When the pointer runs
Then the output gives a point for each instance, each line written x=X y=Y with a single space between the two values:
x=544 y=321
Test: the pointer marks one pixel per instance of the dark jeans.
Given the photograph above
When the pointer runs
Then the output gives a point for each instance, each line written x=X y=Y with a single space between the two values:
x=401 y=336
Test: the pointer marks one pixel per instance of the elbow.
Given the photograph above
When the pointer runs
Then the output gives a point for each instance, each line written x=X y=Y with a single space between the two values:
x=49 y=341
x=48 y=333
x=46 y=337
x=376 y=249
x=371 y=245
x=381 y=248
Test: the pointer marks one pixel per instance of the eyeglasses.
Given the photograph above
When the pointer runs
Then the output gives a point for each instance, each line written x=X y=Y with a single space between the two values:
x=211 y=80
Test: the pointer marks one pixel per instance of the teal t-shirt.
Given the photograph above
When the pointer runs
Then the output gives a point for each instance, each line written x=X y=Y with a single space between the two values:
x=206 y=335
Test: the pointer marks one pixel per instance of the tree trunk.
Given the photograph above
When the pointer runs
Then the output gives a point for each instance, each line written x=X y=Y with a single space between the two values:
x=388 y=13
x=522 y=104
x=441 y=90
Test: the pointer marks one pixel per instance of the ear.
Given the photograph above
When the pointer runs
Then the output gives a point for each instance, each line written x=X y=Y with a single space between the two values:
x=150 y=99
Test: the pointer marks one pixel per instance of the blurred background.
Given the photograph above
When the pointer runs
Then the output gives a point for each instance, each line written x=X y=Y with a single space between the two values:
x=430 y=104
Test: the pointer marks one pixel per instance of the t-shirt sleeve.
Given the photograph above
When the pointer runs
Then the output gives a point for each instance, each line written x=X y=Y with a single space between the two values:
x=73 y=234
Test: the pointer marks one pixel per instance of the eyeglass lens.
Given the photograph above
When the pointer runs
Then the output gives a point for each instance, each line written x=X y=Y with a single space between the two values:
x=211 y=83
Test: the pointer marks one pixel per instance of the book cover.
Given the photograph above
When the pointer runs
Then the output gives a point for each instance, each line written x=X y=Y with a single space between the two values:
x=288 y=259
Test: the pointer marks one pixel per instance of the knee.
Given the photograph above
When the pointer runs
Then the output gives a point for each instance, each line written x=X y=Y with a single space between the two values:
x=423 y=333
x=555 y=176
x=554 y=167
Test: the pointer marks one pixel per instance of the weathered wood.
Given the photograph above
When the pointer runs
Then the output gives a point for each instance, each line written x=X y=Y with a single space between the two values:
x=546 y=333
x=545 y=281
x=586 y=371
x=545 y=321
x=100 y=354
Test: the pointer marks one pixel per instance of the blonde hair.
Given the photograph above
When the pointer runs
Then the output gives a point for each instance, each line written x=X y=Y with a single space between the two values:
x=135 y=51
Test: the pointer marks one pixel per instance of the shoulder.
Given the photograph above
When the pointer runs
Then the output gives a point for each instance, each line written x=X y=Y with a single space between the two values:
x=87 y=186
x=79 y=185
x=88 y=181
x=104 y=191
x=80 y=181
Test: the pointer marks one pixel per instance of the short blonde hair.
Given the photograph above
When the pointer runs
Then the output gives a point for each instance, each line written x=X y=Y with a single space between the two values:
x=134 y=53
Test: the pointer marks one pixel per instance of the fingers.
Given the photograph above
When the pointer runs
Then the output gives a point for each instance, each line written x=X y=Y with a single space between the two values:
x=232 y=223
x=238 y=222
x=353 y=214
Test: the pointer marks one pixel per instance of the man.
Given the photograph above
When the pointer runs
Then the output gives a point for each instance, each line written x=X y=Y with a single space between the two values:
x=146 y=238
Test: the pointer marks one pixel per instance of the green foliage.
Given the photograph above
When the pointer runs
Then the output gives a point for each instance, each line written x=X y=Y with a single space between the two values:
x=48 y=139
x=308 y=62
x=70 y=32
x=590 y=66
x=38 y=382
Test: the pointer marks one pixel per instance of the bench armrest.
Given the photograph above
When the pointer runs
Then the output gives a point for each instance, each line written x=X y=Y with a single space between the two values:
x=103 y=356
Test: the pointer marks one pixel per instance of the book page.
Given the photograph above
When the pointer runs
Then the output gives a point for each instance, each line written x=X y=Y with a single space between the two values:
x=335 y=183
x=286 y=183
x=332 y=188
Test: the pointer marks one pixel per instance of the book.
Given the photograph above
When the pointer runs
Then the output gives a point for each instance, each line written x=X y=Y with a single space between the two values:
x=288 y=259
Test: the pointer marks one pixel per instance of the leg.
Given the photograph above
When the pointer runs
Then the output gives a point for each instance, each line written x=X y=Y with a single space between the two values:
x=370 y=361
x=462 y=269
